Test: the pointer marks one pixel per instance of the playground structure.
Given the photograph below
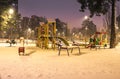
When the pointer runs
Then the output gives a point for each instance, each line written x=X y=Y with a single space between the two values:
x=103 y=38
x=47 y=35
x=99 y=40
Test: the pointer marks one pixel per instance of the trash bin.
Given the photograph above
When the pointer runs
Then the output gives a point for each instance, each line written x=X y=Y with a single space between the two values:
x=21 y=50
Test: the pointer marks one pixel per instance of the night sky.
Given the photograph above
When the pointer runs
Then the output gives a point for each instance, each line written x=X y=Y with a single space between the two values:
x=65 y=10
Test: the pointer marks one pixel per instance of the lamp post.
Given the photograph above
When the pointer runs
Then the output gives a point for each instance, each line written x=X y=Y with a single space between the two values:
x=86 y=35
x=80 y=35
x=28 y=35
x=10 y=13
x=86 y=28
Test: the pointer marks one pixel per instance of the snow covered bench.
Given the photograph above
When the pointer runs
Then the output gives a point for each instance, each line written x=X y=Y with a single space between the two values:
x=67 y=47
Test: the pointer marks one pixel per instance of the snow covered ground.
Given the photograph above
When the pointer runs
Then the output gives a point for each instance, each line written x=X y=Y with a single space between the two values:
x=46 y=64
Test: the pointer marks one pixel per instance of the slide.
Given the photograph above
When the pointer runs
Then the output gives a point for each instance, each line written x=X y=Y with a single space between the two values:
x=64 y=41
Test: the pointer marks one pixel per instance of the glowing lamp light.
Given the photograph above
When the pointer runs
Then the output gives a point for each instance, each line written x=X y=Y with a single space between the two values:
x=86 y=17
x=11 y=11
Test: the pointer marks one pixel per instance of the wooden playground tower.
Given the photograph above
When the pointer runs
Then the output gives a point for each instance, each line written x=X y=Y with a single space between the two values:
x=47 y=35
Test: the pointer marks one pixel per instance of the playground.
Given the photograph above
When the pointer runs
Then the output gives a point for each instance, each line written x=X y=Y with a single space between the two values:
x=48 y=38
x=42 y=62
x=44 y=58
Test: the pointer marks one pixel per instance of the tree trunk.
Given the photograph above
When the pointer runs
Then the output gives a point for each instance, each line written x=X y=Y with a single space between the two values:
x=113 y=21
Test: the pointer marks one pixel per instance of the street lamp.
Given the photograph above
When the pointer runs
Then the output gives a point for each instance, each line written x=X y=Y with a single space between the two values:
x=86 y=28
x=28 y=34
x=73 y=35
x=80 y=35
x=86 y=35
x=10 y=13
x=86 y=17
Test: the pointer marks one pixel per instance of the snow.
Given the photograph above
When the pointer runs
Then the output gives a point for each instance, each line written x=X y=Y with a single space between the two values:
x=46 y=64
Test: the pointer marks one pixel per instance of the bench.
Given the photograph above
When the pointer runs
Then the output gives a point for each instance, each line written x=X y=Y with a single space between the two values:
x=67 y=48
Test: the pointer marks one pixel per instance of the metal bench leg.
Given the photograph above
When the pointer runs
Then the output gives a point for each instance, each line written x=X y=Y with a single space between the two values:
x=71 y=50
x=59 y=51
x=68 y=51
x=79 y=49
